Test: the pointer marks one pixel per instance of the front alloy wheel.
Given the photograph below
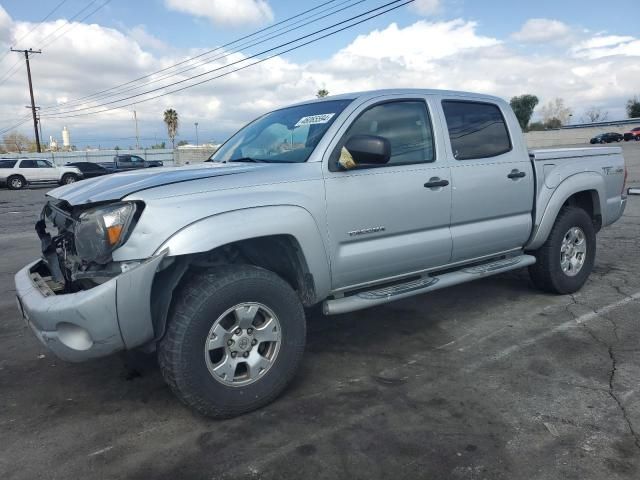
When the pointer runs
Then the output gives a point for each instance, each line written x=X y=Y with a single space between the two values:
x=243 y=344
x=234 y=340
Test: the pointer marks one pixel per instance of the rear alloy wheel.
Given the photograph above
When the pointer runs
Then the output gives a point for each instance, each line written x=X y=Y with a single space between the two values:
x=565 y=260
x=69 y=178
x=16 y=182
x=234 y=340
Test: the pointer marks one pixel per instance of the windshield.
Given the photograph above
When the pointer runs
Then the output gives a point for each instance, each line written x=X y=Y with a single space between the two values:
x=288 y=135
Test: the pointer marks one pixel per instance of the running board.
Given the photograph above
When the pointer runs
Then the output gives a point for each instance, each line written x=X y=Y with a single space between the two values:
x=371 y=298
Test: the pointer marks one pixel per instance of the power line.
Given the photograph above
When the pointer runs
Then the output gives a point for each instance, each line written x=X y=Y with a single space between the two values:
x=206 y=61
x=199 y=55
x=11 y=72
x=33 y=29
x=13 y=127
x=76 y=24
x=68 y=22
x=65 y=114
x=41 y=21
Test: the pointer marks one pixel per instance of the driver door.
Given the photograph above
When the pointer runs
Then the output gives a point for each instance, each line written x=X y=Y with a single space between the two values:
x=46 y=171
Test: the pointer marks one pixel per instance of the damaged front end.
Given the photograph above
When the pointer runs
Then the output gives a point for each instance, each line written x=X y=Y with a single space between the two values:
x=79 y=255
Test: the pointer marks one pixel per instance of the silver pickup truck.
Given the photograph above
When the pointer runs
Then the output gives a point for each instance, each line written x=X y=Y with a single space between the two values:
x=350 y=201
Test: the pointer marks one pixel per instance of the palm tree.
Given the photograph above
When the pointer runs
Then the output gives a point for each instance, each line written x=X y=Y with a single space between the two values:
x=171 y=120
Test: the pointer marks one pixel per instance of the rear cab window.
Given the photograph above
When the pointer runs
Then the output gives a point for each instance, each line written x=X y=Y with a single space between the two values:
x=476 y=129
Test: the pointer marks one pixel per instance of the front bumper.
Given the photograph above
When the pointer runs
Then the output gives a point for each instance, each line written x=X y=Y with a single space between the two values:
x=113 y=316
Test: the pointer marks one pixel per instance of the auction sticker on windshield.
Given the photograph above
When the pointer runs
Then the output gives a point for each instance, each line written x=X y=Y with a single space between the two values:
x=314 y=119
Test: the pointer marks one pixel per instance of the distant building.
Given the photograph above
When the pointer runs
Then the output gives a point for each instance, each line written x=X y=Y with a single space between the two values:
x=66 y=138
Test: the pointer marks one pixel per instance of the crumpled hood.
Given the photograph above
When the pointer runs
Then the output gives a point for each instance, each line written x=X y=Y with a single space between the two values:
x=119 y=185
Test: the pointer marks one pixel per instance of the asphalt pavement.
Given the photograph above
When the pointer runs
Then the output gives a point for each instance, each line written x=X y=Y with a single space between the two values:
x=488 y=380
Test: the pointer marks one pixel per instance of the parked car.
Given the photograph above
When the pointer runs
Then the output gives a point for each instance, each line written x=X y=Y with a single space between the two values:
x=89 y=169
x=350 y=201
x=607 y=138
x=633 y=134
x=18 y=173
x=127 y=162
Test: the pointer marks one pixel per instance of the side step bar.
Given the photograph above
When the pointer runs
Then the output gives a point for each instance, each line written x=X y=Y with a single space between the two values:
x=371 y=298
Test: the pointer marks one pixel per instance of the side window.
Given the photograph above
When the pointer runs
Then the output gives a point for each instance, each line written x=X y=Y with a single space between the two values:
x=476 y=130
x=407 y=126
x=44 y=164
x=136 y=159
x=7 y=163
x=28 y=164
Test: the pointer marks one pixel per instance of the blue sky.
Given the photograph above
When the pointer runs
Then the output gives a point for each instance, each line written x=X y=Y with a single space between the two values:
x=495 y=17
x=571 y=49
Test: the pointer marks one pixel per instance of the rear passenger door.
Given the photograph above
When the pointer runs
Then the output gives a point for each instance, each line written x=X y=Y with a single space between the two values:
x=383 y=221
x=492 y=179
x=29 y=170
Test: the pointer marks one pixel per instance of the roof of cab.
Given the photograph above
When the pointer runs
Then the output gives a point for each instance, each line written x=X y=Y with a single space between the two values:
x=369 y=94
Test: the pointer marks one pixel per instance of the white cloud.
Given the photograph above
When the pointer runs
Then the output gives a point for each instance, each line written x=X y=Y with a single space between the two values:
x=425 y=7
x=5 y=25
x=447 y=55
x=540 y=30
x=225 y=12
x=140 y=34
x=607 y=45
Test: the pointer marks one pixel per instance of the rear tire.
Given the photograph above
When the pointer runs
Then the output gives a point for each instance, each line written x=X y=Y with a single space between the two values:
x=204 y=333
x=16 y=182
x=560 y=266
x=68 y=178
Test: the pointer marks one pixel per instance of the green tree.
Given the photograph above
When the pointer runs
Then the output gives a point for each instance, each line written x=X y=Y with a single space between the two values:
x=523 y=106
x=323 y=92
x=182 y=142
x=633 y=107
x=171 y=120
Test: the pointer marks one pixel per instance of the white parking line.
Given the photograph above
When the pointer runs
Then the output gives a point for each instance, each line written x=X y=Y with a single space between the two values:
x=587 y=317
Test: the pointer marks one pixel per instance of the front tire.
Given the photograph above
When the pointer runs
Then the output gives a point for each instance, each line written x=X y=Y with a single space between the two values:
x=565 y=260
x=16 y=182
x=234 y=341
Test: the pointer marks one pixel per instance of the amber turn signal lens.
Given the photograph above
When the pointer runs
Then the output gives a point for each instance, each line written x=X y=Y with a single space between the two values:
x=114 y=234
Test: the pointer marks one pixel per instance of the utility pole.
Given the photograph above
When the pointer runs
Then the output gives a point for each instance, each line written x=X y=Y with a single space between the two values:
x=196 y=124
x=33 y=103
x=135 y=118
x=39 y=123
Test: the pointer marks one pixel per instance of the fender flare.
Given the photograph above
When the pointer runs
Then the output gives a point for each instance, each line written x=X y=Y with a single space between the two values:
x=254 y=222
x=580 y=182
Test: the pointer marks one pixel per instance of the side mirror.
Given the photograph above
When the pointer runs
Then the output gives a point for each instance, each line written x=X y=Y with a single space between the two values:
x=369 y=149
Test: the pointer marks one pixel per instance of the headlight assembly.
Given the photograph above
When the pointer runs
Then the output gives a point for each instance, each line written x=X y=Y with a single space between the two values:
x=103 y=229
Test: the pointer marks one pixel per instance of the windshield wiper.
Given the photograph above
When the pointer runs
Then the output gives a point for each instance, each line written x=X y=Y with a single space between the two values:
x=248 y=159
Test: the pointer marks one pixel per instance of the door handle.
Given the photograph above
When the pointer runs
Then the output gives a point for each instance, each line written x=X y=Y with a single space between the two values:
x=516 y=174
x=436 y=182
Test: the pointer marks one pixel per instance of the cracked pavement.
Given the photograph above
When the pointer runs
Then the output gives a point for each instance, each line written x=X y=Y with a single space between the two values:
x=488 y=380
